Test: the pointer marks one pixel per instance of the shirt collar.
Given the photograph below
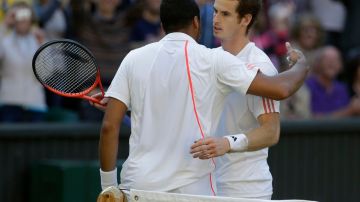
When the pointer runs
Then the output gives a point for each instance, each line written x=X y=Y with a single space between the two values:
x=178 y=36
x=246 y=47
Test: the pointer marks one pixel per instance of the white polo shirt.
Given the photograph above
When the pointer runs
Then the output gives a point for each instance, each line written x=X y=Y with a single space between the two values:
x=245 y=174
x=153 y=82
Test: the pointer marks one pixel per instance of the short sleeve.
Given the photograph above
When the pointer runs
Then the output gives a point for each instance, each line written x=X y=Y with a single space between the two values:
x=261 y=105
x=232 y=74
x=119 y=87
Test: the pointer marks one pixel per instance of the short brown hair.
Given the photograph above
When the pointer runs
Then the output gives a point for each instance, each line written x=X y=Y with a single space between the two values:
x=251 y=7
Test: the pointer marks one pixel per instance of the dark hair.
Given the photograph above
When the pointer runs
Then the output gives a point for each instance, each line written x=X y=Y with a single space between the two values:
x=251 y=7
x=177 y=14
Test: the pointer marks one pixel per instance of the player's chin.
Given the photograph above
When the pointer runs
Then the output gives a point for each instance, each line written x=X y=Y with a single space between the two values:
x=218 y=34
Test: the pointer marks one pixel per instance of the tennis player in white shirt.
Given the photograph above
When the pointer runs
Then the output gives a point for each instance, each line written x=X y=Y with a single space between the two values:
x=152 y=81
x=252 y=123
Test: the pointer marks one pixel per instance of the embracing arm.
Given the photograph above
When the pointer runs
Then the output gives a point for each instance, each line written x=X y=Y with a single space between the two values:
x=266 y=135
x=284 y=84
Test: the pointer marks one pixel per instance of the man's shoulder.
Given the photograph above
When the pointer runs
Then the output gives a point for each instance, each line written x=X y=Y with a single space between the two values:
x=143 y=51
x=258 y=57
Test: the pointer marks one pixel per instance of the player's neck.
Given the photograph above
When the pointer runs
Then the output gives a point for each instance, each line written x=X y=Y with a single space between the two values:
x=235 y=44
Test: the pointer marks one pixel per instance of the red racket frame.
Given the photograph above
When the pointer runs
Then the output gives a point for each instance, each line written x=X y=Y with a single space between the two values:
x=83 y=94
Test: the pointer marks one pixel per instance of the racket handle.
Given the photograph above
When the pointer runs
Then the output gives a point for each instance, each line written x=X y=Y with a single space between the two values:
x=96 y=100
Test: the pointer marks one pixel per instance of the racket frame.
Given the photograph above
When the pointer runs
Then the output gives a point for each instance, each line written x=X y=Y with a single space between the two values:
x=82 y=94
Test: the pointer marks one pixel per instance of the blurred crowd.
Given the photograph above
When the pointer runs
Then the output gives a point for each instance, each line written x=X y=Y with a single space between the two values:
x=325 y=30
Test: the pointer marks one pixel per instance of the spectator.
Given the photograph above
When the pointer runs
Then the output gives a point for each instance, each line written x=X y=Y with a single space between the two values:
x=7 y=23
x=350 y=36
x=146 y=27
x=273 y=40
x=52 y=18
x=330 y=97
x=302 y=6
x=331 y=15
x=100 y=27
x=354 y=72
x=22 y=97
x=297 y=106
x=308 y=35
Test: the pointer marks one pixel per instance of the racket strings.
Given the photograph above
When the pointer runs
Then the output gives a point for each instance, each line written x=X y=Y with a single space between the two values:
x=80 y=82
x=68 y=86
x=73 y=82
x=66 y=67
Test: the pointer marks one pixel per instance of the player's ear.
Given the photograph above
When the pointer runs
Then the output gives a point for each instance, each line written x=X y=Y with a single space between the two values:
x=246 y=19
x=196 y=22
x=196 y=25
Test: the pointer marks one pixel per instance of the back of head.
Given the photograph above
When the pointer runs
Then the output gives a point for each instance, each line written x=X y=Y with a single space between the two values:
x=251 y=7
x=177 y=14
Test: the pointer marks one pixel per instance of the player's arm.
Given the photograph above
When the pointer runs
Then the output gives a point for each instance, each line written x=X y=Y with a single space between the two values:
x=108 y=145
x=266 y=135
x=284 y=84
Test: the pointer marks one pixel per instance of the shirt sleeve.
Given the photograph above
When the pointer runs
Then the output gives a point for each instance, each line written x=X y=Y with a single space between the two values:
x=262 y=105
x=119 y=87
x=232 y=74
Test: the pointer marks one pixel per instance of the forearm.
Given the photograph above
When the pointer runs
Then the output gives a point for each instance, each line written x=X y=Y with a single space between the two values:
x=266 y=135
x=108 y=147
x=263 y=137
x=293 y=79
x=281 y=86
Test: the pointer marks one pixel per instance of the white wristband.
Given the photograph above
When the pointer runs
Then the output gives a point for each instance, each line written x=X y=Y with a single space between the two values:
x=108 y=179
x=238 y=142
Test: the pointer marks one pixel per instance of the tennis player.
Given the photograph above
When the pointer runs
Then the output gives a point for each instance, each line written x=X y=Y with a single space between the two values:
x=153 y=83
x=252 y=121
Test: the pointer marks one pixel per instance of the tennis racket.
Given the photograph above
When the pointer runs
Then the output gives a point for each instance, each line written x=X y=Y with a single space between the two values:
x=67 y=68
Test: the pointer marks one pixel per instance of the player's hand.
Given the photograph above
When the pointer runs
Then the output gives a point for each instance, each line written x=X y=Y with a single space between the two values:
x=210 y=147
x=294 y=55
x=103 y=101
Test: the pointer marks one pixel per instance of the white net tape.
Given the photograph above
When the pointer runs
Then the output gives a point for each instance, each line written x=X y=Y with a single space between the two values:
x=151 y=196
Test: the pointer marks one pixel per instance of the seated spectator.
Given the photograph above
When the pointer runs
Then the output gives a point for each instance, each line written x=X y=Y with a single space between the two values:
x=99 y=25
x=273 y=40
x=331 y=15
x=52 y=18
x=146 y=27
x=353 y=70
x=22 y=97
x=330 y=97
x=307 y=34
x=297 y=106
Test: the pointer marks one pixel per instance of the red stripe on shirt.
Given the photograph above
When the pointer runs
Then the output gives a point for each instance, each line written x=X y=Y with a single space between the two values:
x=273 y=105
x=264 y=105
x=268 y=102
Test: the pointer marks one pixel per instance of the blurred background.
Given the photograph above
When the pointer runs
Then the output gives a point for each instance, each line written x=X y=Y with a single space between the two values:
x=48 y=144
